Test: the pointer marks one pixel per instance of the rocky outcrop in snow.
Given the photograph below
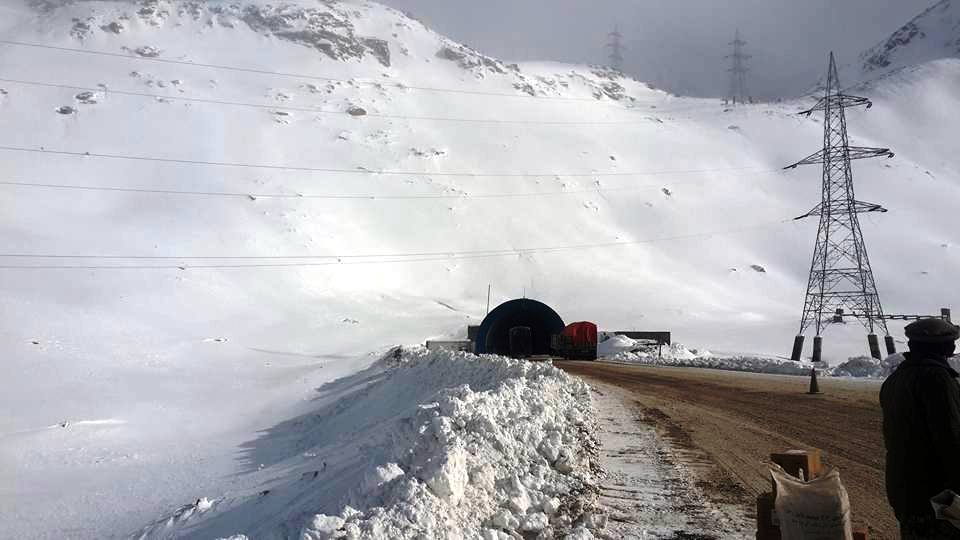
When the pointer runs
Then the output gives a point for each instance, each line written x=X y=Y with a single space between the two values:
x=933 y=34
x=331 y=28
x=328 y=28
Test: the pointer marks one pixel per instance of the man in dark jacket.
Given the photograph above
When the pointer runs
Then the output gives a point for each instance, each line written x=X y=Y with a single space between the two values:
x=921 y=429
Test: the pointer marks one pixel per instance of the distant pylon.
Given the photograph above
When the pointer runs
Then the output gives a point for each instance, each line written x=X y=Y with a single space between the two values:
x=738 y=72
x=616 y=49
x=840 y=274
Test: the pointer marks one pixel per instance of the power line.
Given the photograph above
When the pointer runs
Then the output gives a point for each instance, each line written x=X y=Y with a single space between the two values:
x=299 y=168
x=280 y=73
x=236 y=266
x=360 y=197
x=315 y=110
x=354 y=258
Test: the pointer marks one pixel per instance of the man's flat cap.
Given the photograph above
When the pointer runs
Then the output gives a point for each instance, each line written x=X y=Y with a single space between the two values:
x=933 y=330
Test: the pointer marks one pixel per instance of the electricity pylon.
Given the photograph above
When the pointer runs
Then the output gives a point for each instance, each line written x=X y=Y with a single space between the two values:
x=840 y=274
x=738 y=72
x=616 y=49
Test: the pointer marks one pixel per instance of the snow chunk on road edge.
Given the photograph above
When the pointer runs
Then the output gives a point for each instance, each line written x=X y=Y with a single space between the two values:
x=510 y=449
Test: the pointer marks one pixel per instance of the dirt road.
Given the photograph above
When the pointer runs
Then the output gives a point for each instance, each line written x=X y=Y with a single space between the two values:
x=738 y=419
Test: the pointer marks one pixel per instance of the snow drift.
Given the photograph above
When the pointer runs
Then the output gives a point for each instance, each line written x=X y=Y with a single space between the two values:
x=677 y=355
x=425 y=445
x=626 y=350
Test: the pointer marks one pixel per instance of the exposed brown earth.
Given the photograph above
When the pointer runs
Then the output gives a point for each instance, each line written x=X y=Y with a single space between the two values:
x=739 y=419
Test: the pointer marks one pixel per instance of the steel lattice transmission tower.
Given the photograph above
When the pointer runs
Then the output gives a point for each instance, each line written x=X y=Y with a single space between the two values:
x=738 y=72
x=616 y=49
x=840 y=275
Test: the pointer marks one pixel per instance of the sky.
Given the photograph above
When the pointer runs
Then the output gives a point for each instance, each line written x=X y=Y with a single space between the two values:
x=678 y=45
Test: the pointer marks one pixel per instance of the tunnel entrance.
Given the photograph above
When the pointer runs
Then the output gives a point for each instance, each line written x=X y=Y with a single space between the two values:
x=493 y=336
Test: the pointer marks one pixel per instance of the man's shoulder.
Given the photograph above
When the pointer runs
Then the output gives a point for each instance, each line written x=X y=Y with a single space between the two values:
x=931 y=375
x=920 y=372
x=931 y=366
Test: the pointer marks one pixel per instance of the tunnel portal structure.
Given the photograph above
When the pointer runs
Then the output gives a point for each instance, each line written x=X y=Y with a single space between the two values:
x=493 y=337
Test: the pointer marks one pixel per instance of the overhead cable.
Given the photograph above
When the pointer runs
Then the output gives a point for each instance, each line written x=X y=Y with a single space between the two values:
x=332 y=260
x=362 y=170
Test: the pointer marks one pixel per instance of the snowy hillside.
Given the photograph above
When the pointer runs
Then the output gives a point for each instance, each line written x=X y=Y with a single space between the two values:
x=245 y=202
x=932 y=35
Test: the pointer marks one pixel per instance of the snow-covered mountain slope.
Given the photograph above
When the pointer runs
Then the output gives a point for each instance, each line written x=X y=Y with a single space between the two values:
x=931 y=35
x=313 y=234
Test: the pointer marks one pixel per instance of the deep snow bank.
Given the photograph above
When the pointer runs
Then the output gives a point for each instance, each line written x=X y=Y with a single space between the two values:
x=864 y=366
x=751 y=364
x=624 y=349
x=431 y=445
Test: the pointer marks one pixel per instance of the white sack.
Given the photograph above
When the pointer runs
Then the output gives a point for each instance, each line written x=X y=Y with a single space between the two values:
x=814 y=510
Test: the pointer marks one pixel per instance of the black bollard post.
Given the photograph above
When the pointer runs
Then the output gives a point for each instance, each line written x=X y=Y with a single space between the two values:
x=891 y=346
x=874 y=346
x=814 y=385
x=817 y=348
x=797 y=349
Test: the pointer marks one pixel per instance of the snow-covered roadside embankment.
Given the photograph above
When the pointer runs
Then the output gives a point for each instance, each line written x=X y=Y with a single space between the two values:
x=440 y=445
x=508 y=449
x=857 y=367
x=618 y=348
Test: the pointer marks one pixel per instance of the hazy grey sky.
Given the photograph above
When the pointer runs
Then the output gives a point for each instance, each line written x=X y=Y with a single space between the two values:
x=676 y=44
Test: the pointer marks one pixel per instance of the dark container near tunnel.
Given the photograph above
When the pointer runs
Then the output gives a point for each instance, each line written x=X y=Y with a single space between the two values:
x=521 y=342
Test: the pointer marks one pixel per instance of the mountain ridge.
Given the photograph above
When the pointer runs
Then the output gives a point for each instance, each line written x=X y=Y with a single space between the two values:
x=931 y=35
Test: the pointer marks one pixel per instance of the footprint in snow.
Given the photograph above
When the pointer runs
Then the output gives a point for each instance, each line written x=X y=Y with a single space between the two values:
x=87 y=98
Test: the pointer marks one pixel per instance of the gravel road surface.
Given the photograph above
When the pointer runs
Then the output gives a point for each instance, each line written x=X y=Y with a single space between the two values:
x=736 y=420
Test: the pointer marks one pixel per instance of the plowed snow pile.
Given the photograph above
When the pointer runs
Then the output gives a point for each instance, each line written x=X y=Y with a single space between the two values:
x=426 y=445
x=625 y=350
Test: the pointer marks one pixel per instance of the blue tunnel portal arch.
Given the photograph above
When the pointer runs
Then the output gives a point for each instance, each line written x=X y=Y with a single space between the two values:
x=493 y=337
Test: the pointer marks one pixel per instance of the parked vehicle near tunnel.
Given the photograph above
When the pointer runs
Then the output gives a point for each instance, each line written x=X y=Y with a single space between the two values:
x=578 y=341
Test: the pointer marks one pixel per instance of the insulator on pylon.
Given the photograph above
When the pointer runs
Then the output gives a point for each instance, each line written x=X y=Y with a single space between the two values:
x=874 y=344
x=891 y=346
x=797 y=349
